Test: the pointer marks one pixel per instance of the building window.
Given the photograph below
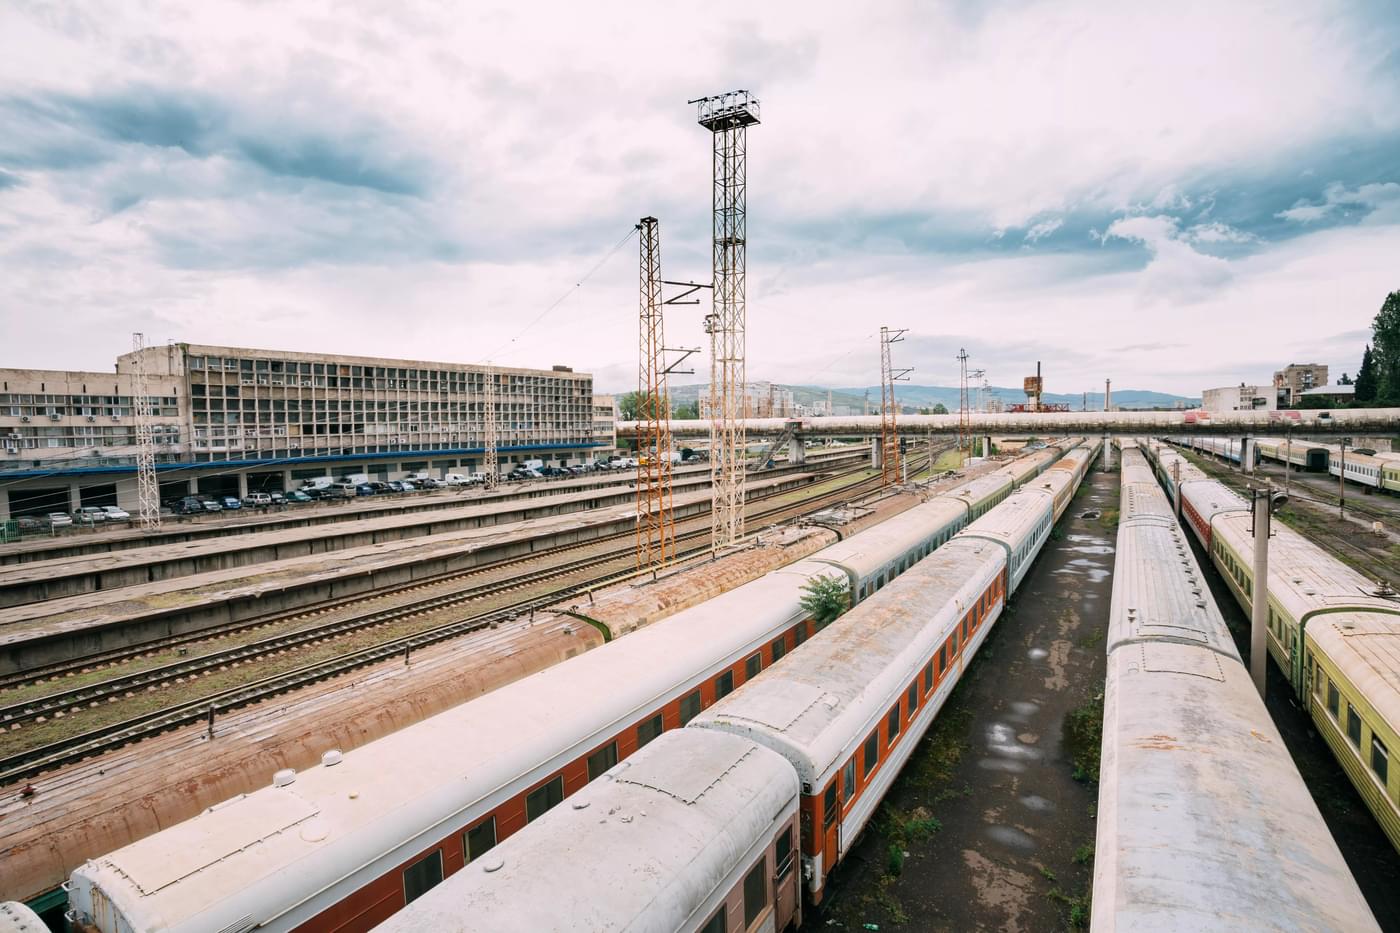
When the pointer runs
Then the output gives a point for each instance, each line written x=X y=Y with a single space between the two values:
x=422 y=876
x=481 y=839
x=601 y=760
x=753 y=666
x=724 y=684
x=755 y=892
x=649 y=730
x=892 y=723
x=690 y=707
x=539 y=802
x=848 y=780
x=779 y=649
x=1353 y=726
x=872 y=753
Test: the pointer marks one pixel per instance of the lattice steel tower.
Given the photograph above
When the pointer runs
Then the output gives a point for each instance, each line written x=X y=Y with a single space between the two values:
x=656 y=523
x=728 y=117
x=889 y=408
x=488 y=413
x=147 y=488
x=964 y=419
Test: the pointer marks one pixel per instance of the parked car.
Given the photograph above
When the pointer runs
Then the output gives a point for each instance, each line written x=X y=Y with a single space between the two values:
x=115 y=514
x=476 y=479
x=188 y=505
x=59 y=520
x=381 y=488
x=277 y=498
x=89 y=515
x=231 y=502
x=28 y=524
x=297 y=496
x=211 y=505
x=257 y=500
x=365 y=489
x=430 y=483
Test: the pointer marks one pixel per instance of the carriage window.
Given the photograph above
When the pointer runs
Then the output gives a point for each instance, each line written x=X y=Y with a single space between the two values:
x=1353 y=726
x=848 y=780
x=800 y=633
x=1380 y=760
x=755 y=892
x=913 y=697
x=779 y=649
x=892 y=722
x=872 y=753
x=649 y=730
x=829 y=804
x=481 y=840
x=422 y=876
x=942 y=658
x=690 y=707
x=724 y=684
x=538 y=802
x=752 y=667
x=716 y=924
x=601 y=760
x=928 y=677
x=783 y=853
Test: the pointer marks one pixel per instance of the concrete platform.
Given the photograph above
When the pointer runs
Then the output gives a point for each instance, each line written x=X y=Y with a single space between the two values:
x=70 y=627
x=35 y=581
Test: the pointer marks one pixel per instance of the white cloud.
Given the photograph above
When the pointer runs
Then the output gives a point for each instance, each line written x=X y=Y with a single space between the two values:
x=1043 y=229
x=1379 y=202
x=1176 y=273
x=1217 y=232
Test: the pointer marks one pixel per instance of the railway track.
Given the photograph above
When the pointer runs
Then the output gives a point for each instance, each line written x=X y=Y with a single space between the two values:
x=98 y=660
x=33 y=762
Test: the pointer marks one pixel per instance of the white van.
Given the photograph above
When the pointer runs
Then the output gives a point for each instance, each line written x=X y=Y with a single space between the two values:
x=456 y=479
x=418 y=475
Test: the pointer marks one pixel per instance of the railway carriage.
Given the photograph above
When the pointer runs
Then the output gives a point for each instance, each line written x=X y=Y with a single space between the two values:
x=1306 y=455
x=1354 y=662
x=1359 y=468
x=850 y=707
x=1176 y=694
x=1313 y=597
x=697 y=832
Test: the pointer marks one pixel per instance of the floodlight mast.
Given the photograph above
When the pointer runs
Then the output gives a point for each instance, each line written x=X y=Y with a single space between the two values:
x=728 y=117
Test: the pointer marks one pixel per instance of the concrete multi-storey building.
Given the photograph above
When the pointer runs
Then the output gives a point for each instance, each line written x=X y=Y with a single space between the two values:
x=1295 y=379
x=605 y=424
x=229 y=419
x=1239 y=398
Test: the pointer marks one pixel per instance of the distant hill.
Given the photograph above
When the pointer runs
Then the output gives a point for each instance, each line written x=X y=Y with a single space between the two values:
x=852 y=400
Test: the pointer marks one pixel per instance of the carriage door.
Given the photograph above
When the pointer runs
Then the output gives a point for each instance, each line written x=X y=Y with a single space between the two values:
x=786 y=878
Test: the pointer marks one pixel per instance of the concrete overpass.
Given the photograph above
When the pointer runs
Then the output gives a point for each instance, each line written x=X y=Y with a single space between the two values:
x=1353 y=421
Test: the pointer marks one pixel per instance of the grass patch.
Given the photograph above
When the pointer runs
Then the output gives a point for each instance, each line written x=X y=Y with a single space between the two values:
x=1084 y=855
x=1083 y=737
x=1077 y=909
x=1108 y=519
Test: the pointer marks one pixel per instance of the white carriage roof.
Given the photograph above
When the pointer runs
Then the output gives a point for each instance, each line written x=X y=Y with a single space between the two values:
x=640 y=849
x=817 y=706
x=1365 y=646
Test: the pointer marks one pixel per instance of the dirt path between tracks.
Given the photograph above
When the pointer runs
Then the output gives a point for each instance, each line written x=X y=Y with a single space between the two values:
x=991 y=826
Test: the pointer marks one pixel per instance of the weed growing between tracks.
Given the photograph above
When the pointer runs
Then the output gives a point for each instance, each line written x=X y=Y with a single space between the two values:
x=1083 y=731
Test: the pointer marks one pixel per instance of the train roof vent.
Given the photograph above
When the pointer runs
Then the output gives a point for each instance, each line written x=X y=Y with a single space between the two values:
x=284 y=777
x=332 y=758
x=1383 y=589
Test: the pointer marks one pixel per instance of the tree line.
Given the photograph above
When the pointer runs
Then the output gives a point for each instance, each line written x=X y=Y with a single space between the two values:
x=1377 y=382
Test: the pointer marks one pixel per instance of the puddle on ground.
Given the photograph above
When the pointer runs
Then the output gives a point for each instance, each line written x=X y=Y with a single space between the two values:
x=1024 y=709
x=1037 y=654
x=1001 y=740
x=1090 y=549
x=1036 y=803
x=1012 y=837
x=1001 y=764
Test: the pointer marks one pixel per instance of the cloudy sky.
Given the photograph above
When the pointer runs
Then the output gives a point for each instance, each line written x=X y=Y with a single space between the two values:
x=1172 y=195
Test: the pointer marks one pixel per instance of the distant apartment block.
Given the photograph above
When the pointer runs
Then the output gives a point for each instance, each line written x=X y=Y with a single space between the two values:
x=1295 y=379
